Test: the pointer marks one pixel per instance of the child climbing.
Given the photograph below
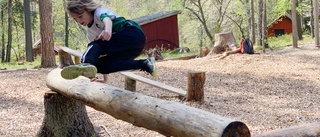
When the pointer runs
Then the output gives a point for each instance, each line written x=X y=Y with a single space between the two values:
x=114 y=43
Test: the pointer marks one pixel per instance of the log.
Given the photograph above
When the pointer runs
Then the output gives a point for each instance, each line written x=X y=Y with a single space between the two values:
x=196 y=81
x=306 y=130
x=166 y=117
x=224 y=42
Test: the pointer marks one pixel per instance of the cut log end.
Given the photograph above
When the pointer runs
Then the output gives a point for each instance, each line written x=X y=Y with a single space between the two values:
x=236 y=129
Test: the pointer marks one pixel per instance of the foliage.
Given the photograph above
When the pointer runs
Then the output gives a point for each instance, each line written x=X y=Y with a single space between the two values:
x=217 y=15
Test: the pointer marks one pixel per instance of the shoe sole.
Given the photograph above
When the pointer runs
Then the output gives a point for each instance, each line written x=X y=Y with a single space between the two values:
x=74 y=71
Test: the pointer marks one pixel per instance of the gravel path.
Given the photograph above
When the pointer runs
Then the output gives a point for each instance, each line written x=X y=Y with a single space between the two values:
x=265 y=91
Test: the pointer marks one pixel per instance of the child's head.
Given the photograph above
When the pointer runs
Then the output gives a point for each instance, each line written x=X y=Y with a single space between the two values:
x=82 y=10
x=80 y=6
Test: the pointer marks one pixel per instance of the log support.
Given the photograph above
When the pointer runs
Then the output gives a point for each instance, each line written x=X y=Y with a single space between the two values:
x=64 y=117
x=305 y=130
x=196 y=81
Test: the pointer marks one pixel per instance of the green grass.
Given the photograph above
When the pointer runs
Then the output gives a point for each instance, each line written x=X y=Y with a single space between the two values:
x=21 y=64
x=286 y=40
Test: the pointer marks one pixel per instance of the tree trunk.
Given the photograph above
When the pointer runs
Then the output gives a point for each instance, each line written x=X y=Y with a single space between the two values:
x=316 y=21
x=299 y=25
x=8 y=54
x=28 y=34
x=66 y=19
x=2 y=37
x=294 y=24
x=224 y=42
x=64 y=118
x=252 y=25
x=169 y=118
x=264 y=26
x=47 y=44
x=312 y=19
x=260 y=19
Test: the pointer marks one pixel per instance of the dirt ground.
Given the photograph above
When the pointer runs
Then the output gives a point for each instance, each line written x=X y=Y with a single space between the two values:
x=265 y=91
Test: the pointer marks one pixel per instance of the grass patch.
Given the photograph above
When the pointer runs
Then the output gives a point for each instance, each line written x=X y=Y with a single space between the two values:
x=286 y=40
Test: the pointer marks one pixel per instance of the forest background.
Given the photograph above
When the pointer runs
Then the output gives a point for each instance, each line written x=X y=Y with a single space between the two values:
x=198 y=22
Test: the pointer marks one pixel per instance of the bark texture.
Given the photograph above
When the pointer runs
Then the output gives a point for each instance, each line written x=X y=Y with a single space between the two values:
x=169 y=118
x=64 y=118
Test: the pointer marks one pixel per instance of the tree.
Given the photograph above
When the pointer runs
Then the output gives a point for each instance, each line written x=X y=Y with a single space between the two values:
x=260 y=20
x=264 y=26
x=8 y=54
x=28 y=34
x=316 y=21
x=2 y=36
x=199 y=13
x=252 y=25
x=294 y=24
x=66 y=18
x=47 y=44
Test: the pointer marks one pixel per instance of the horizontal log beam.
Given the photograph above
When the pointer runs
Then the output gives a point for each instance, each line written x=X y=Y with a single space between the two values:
x=166 y=117
x=306 y=130
x=154 y=83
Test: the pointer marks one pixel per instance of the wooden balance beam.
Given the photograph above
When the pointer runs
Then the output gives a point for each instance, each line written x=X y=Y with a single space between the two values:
x=166 y=117
x=196 y=80
x=131 y=87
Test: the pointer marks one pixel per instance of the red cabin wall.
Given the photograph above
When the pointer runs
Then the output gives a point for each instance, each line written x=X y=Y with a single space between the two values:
x=284 y=24
x=162 y=33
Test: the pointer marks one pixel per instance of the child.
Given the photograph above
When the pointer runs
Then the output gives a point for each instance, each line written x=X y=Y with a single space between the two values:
x=114 y=42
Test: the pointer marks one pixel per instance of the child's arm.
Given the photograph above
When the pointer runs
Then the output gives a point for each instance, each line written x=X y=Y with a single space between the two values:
x=107 y=32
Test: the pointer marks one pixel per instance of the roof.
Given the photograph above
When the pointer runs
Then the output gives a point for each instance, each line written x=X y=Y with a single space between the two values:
x=278 y=19
x=154 y=17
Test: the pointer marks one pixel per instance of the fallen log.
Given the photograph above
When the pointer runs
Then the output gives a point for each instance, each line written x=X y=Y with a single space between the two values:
x=306 y=130
x=166 y=117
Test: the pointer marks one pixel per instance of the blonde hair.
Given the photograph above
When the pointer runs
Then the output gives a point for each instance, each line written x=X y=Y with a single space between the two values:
x=80 y=6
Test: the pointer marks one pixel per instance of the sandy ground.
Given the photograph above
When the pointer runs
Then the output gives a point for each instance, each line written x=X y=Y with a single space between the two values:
x=265 y=91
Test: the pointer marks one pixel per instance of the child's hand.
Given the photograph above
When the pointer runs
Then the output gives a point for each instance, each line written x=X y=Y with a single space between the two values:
x=105 y=35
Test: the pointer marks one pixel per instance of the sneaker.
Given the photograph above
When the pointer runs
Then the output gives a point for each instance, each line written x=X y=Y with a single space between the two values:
x=150 y=66
x=83 y=69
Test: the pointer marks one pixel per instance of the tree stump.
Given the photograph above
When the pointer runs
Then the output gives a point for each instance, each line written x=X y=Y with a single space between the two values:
x=224 y=42
x=65 y=117
x=204 y=51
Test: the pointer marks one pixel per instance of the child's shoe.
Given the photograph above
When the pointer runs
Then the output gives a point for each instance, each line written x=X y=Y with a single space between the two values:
x=83 y=69
x=150 y=66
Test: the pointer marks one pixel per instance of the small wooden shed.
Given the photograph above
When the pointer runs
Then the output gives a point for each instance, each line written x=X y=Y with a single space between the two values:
x=280 y=26
x=161 y=29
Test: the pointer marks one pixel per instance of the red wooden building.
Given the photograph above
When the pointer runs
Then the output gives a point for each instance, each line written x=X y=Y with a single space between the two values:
x=282 y=25
x=161 y=29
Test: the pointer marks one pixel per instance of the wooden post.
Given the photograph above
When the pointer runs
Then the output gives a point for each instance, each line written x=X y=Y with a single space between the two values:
x=130 y=84
x=196 y=82
x=294 y=24
x=169 y=118
x=76 y=59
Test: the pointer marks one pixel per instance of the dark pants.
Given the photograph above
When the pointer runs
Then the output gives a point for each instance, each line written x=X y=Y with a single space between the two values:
x=121 y=50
